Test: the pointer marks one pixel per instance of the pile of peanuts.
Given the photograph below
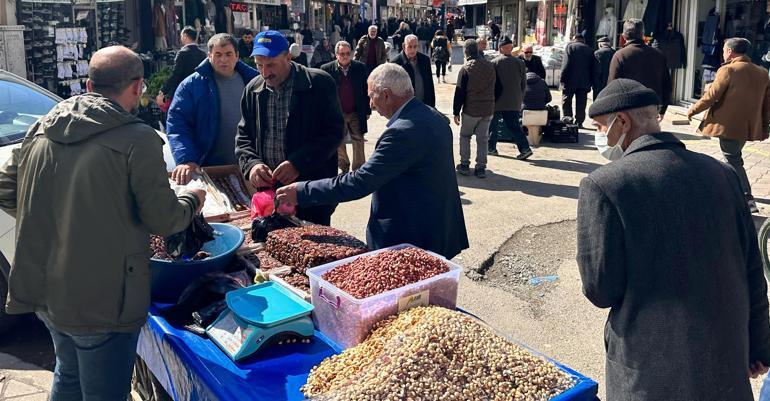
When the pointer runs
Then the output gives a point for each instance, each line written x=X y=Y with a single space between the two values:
x=433 y=353
x=375 y=274
x=309 y=246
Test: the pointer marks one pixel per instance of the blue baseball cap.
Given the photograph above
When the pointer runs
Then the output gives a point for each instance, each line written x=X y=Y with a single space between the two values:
x=269 y=44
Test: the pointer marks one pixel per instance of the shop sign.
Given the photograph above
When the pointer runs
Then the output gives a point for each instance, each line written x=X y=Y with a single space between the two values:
x=239 y=7
x=471 y=2
x=266 y=2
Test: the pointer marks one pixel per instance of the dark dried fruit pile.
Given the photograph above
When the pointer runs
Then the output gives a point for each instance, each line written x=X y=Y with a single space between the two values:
x=231 y=186
x=310 y=246
x=375 y=274
x=297 y=280
x=158 y=248
x=263 y=260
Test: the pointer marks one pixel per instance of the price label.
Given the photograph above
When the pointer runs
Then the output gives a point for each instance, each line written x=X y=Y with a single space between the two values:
x=411 y=301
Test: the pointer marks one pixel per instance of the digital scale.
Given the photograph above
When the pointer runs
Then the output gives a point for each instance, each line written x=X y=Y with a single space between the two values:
x=258 y=314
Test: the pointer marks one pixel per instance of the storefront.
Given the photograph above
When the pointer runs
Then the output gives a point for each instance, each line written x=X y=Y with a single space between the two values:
x=705 y=24
x=544 y=22
x=475 y=16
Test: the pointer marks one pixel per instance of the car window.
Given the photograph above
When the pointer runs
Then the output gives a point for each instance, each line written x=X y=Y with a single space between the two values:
x=20 y=107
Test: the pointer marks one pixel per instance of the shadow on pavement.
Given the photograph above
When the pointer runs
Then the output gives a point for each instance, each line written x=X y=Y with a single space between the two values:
x=565 y=165
x=496 y=182
x=29 y=341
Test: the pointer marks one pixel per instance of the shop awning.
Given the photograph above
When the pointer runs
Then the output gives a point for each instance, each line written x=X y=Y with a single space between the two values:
x=470 y=2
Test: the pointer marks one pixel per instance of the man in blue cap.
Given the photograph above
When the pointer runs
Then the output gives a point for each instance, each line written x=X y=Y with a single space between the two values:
x=292 y=123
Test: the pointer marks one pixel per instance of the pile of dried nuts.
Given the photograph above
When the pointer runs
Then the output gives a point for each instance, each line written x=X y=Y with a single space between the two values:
x=433 y=353
x=298 y=280
x=160 y=252
x=309 y=246
x=387 y=270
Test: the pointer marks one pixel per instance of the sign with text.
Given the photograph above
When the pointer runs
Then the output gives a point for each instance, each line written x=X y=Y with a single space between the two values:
x=239 y=7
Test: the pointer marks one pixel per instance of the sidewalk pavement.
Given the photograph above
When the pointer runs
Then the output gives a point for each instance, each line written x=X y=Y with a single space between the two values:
x=23 y=381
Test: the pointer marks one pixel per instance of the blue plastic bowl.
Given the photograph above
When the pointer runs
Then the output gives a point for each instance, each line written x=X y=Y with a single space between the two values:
x=170 y=278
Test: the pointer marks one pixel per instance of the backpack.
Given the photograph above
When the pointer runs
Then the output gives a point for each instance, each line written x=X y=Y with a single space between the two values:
x=440 y=53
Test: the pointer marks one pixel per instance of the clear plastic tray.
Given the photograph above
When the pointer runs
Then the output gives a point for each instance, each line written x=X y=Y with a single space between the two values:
x=347 y=320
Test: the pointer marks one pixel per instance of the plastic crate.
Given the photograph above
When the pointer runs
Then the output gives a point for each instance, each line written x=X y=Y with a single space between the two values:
x=559 y=132
x=347 y=320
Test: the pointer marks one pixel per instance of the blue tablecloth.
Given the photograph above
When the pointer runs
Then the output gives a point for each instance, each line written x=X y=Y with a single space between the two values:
x=193 y=368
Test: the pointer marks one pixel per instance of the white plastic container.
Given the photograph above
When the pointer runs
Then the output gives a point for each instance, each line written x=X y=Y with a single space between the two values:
x=347 y=320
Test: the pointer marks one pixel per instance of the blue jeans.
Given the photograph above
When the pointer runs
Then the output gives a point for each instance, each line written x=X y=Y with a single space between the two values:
x=764 y=393
x=95 y=367
x=513 y=123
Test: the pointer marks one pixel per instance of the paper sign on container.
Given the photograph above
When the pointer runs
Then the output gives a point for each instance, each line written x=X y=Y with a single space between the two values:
x=411 y=301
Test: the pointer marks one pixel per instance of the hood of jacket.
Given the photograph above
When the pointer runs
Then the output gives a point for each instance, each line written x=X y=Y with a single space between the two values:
x=82 y=117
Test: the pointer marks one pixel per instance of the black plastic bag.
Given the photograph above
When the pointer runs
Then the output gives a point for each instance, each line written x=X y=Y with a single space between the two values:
x=186 y=244
x=261 y=226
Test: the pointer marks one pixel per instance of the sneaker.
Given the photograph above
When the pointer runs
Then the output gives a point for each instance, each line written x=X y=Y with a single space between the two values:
x=480 y=172
x=463 y=169
x=753 y=206
x=525 y=155
x=493 y=152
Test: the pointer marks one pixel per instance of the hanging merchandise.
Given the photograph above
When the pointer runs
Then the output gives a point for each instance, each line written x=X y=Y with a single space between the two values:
x=635 y=9
x=608 y=26
x=172 y=25
x=72 y=67
x=159 y=26
x=671 y=43
x=112 y=24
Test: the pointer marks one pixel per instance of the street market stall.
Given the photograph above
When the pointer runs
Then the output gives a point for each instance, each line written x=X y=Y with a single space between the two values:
x=328 y=320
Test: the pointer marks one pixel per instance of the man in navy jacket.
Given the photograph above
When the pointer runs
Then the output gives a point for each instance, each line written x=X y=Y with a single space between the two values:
x=204 y=115
x=411 y=174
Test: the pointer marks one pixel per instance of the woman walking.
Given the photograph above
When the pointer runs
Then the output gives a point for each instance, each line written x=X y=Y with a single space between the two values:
x=440 y=47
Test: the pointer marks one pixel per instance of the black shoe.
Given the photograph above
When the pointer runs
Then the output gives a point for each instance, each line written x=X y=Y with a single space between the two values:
x=525 y=155
x=753 y=206
x=463 y=169
x=493 y=152
x=480 y=172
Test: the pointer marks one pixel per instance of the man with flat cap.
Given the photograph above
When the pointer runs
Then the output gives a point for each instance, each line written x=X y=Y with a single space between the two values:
x=292 y=123
x=687 y=295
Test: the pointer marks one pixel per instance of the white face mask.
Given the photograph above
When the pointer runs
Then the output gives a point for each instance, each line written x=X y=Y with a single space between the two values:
x=610 y=153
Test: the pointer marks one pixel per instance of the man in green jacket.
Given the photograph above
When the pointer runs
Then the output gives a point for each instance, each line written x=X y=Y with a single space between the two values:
x=87 y=186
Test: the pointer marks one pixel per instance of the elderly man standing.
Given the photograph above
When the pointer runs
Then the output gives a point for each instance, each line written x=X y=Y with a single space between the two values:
x=738 y=83
x=511 y=82
x=577 y=77
x=350 y=76
x=201 y=127
x=87 y=186
x=417 y=65
x=533 y=62
x=415 y=197
x=685 y=286
x=603 y=58
x=475 y=98
x=371 y=50
x=641 y=63
x=292 y=124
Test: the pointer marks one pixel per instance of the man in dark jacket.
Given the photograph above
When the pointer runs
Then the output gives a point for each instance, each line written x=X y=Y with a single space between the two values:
x=292 y=124
x=185 y=61
x=87 y=187
x=536 y=95
x=424 y=35
x=494 y=33
x=510 y=83
x=603 y=58
x=641 y=63
x=414 y=190
x=201 y=127
x=685 y=286
x=417 y=65
x=350 y=76
x=371 y=50
x=533 y=62
x=577 y=75
x=474 y=99
x=246 y=44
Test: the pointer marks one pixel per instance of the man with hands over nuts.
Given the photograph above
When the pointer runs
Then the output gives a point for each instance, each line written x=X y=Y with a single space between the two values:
x=291 y=123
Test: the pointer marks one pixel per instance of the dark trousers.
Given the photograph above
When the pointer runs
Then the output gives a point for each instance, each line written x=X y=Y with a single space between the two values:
x=581 y=97
x=440 y=69
x=512 y=121
x=731 y=149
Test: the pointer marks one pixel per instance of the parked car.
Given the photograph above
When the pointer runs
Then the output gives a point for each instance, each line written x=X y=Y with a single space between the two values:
x=22 y=103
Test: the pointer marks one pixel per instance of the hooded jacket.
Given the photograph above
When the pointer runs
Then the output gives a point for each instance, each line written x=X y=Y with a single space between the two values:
x=537 y=95
x=87 y=186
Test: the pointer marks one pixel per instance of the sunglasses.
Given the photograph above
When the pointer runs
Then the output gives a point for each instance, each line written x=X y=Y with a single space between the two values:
x=527 y=52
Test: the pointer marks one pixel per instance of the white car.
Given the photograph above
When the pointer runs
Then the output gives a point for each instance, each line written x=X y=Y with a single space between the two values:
x=21 y=104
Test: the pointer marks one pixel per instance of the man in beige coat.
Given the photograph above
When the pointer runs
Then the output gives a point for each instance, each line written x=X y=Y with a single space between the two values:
x=738 y=104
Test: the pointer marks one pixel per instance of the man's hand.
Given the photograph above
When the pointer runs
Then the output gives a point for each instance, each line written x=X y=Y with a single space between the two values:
x=201 y=194
x=287 y=195
x=457 y=120
x=160 y=98
x=285 y=173
x=757 y=369
x=690 y=114
x=261 y=177
x=182 y=174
